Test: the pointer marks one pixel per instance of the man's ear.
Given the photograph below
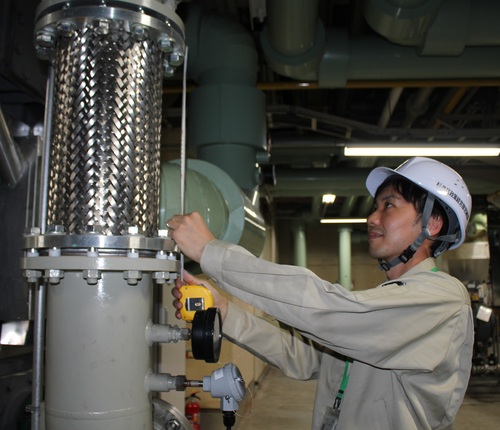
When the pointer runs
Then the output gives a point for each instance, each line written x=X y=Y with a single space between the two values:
x=435 y=224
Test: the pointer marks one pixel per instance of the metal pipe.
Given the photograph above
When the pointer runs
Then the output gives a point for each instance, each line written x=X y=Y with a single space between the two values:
x=360 y=84
x=345 y=258
x=417 y=106
x=11 y=161
x=38 y=352
x=40 y=296
x=299 y=245
x=47 y=132
x=389 y=107
x=292 y=25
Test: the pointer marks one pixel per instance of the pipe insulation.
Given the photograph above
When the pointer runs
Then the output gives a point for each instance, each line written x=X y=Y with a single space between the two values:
x=230 y=215
x=227 y=112
x=424 y=39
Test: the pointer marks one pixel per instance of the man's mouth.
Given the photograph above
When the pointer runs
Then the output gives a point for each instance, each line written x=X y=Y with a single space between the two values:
x=374 y=234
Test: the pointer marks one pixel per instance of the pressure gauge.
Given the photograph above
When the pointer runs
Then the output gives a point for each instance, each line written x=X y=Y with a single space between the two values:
x=206 y=335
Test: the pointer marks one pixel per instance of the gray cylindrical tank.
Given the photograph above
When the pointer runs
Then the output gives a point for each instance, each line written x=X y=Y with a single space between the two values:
x=97 y=354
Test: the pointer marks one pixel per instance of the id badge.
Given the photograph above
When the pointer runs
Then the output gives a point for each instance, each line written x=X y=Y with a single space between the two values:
x=331 y=419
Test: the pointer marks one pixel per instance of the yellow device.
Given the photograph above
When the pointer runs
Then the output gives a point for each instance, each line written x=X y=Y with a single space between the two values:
x=194 y=298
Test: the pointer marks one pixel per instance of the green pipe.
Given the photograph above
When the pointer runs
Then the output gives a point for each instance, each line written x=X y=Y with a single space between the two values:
x=228 y=212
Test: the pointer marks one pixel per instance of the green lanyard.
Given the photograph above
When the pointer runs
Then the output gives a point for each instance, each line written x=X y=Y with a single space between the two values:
x=343 y=385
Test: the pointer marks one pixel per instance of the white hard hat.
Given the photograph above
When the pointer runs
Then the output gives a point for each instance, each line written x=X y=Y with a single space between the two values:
x=440 y=180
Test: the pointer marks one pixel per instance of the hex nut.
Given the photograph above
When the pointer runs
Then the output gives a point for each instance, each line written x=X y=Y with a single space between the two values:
x=132 y=229
x=139 y=32
x=32 y=275
x=101 y=26
x=161 y=277
x=176 y=59
x=165 y=44
x=168 y=70
x=66 y=28
x=54 y=275
x=132 y=276
x=164 y=232
x=45 y=39
x=55 y=229
x=33 y=231
x=91 y=276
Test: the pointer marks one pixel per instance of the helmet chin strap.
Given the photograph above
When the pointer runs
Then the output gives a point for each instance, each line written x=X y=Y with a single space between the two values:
x=409 y=252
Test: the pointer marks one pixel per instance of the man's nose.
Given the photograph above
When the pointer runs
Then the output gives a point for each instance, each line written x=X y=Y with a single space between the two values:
x=373 y=218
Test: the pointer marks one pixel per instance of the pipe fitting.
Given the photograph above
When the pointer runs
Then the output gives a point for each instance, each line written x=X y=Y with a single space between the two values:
x=164 y=382
x=166 y=333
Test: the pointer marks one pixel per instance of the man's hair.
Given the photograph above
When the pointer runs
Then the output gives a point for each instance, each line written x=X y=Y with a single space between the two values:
x=417 y=196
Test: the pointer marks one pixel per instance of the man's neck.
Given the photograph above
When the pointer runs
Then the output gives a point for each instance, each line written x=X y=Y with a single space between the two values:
x=400 y=269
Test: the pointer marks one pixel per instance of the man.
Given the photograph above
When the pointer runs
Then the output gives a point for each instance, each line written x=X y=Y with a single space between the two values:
x=394 y=357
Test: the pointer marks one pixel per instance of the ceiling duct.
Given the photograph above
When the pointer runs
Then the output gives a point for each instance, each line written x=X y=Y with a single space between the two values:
x=227 y=112
x=424 y=50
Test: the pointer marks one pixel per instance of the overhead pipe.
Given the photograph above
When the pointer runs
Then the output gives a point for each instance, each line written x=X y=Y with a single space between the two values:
x=293 y=40
x=372 y=58
x=229 y=213
x=299 y=244
x=227 y=112
x=402 y=21
x=416 y=106
x=390 y=105
x=346 y=181
x=345 y=274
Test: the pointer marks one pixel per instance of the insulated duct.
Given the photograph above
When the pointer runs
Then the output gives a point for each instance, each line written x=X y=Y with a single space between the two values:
x=229 y=213
x=348 y=182
x=437 y=39
x=227 y=112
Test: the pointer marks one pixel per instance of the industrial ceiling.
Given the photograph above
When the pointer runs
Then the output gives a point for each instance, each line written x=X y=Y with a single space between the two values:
x=331 y=72
x=431 y=74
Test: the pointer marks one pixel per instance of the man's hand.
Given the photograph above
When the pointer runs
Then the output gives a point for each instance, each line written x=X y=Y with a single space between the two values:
x=219 y=300
x=191 y=234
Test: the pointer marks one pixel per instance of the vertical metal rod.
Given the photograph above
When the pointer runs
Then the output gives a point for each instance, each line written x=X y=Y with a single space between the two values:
x=39 y=331
x=183 y=150
x=47 y=134
x=38 y=346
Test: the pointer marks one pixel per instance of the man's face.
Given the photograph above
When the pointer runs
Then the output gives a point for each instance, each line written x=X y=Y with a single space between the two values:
x=393 y=225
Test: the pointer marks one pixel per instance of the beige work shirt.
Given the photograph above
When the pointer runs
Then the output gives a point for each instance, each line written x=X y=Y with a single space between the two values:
x=410 y=339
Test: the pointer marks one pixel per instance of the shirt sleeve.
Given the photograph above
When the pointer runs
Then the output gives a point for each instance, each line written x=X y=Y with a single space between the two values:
x=298 y=357
x=396 y=326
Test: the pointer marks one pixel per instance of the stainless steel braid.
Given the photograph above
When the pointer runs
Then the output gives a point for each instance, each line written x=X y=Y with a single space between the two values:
x=105 y=157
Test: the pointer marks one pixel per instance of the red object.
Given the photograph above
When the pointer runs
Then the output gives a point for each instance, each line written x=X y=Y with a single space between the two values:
x=192 y=411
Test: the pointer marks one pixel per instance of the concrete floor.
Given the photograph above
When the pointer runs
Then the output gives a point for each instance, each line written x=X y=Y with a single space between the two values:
x=280 y=403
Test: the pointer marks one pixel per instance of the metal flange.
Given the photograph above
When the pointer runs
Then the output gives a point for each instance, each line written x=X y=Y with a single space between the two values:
x=143 y=19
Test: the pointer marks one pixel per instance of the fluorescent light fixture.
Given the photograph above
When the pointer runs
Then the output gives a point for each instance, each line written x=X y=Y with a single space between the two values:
x=342 y=220
x=422 y=150
x=328 y=199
